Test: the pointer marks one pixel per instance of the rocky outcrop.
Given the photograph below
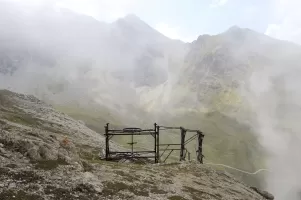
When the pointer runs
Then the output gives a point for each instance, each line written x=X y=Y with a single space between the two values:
x=265 y=194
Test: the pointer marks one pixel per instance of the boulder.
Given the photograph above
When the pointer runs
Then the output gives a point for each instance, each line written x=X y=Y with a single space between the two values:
x=263 y=193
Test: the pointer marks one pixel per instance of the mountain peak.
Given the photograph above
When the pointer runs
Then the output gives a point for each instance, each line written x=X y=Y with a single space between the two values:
x=132 y=17
x=238 y=34
x=234 y=28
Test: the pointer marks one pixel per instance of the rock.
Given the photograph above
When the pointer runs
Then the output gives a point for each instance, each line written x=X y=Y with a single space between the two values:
x=87 y=166
x=263 y=193
x=11 y=185
x=53 y=136
x=90 y=183
x=85 y=188
x=2 y=150
x=33 y=154
x=48 y=153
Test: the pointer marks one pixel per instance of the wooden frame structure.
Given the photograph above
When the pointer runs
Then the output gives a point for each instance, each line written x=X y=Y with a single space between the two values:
x=154 y=154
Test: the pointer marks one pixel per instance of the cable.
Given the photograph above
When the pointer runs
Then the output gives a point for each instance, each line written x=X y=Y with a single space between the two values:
x=240 y=170
x=227 y=166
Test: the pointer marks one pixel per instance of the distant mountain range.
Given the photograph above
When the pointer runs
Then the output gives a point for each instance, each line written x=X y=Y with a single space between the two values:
x=60 y=55
x=127 y=72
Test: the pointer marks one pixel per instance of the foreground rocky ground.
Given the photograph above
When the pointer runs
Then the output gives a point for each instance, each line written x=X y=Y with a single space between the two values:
x=45 y=154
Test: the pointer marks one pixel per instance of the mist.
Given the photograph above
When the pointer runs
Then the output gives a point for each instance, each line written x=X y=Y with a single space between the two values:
x=276 y=103
x=70 y=59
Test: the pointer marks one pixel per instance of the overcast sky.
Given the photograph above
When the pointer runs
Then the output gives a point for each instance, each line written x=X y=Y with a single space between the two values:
x=186 y=19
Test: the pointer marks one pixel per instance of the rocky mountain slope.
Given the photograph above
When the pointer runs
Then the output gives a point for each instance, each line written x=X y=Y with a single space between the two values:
x=46 y=155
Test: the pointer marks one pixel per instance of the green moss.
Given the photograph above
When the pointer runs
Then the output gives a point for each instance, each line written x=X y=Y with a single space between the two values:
x=4 y=171
x=156 y=190
x=26 y=176
x=87 y=167
x=19 y=195
x=59 y=193
x=113 y=188
x=91 y=156
x=197 y=194
x=23 y=119
x=4 y=100
x=49 y=164
x=94 y=116
x=176 y=198
x=130 y=177
x=226 y=141
x=12 y=166
x=20 y=176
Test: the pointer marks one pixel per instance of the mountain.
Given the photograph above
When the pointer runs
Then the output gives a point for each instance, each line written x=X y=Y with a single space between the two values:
x=127 y=73
x=63 y=51
x=45 y=154
x=216 y=71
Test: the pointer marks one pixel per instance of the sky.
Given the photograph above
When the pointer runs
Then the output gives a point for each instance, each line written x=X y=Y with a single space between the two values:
x=187 y=19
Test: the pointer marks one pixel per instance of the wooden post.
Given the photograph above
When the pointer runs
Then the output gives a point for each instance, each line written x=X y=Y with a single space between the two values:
x=107 y=141
x=183 y=134
x=155 y=147
x=200 y=147
x=158 y=143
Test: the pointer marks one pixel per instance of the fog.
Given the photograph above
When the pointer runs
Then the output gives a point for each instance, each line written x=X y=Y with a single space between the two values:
x=62 y=57
x=276 y=102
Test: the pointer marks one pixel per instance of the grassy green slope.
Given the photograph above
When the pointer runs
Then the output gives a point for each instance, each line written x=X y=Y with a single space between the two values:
x=94 y=117
x=226 y=141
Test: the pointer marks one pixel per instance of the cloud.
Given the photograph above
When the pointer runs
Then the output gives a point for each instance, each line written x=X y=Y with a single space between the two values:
x=104 y=10
x=172 y=32
x=288 y=21
x=217 y=3
x=167 y=30
x=101 y=9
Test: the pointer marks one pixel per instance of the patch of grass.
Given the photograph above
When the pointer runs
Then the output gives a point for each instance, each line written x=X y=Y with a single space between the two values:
x=167 y=181
x=199 y=183
x=152 y=182
x=25 y=176
x=226 y=141
x=23 y=119
x=113 y=188
x=128 y=177
x=49 y=164
x=20 y=176
x=94 y=116
x=87 y=167
x=156 y=190
x=12 y=166
x=19 y=195
x=4 y=100
x=2 y=123
x=90 y=156
x=176 y=197
x=59 y=193
x=4 y=171
x=198 y=194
